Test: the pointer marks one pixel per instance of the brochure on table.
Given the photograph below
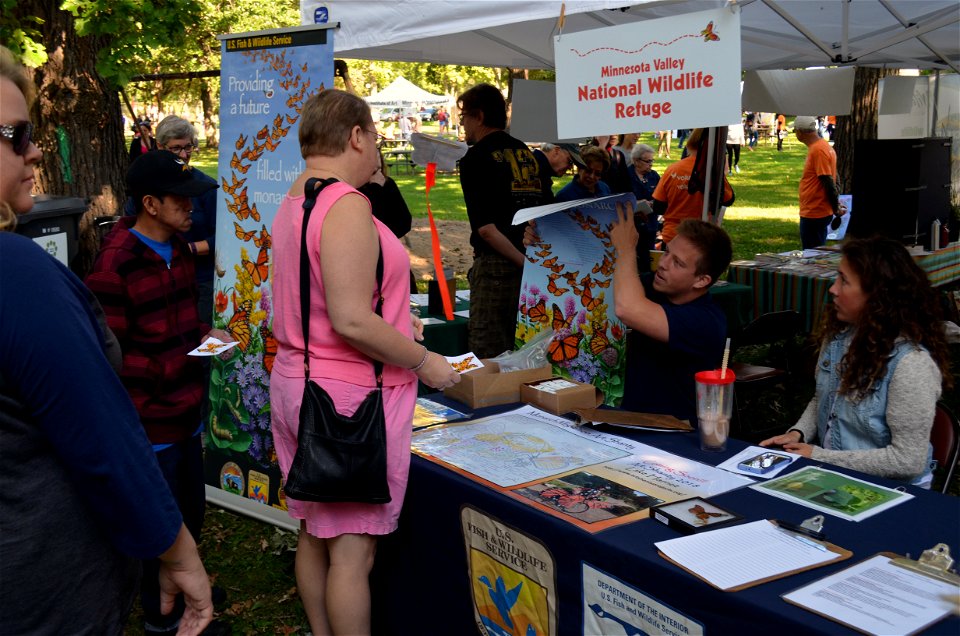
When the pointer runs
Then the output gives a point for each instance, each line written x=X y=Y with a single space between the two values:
x=568 y=287
x=833 y=493
x=591 y=479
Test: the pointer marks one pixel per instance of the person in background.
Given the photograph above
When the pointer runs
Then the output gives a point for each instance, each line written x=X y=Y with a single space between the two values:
x=499 y=175
x=443 y=119
x=682 y=135
x=627 y=142
x=671 y=197
x=615 y=174
x=819 y=197
x=388 y=206
x=144 y=278
x=143 y=140
x=663 y=148
x=883 y=363
x=587 y=183
x=780 y=129
x=751 y=131
x=734 y=141
x=337 y=541
x=83 y=497
x=554 y=160
x=676 y=327
x=644 y=180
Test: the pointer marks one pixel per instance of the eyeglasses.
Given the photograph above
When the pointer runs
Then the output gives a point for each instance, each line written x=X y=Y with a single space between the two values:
x=595 y=173
x=189 y=148
x=19 y=136
x=643 y=161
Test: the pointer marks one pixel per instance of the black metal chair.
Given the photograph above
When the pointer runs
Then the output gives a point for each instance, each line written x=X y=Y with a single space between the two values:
x=945 y=438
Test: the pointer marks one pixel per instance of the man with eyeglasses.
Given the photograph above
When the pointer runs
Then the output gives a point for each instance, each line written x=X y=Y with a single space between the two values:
x=554 y=161
x=499 y=175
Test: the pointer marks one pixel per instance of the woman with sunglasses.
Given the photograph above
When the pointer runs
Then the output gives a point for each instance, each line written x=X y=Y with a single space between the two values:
x=587 y=183
x=83 y=495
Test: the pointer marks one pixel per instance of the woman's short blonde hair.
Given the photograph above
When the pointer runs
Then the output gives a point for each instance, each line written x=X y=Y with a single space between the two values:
x=12 y=70
x=326 y=122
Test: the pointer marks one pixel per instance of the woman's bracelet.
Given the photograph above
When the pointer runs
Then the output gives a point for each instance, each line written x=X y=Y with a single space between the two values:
x=800 y=441
x=423 y=361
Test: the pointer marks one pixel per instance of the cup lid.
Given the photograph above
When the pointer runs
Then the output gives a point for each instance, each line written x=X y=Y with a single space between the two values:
x=713 y=377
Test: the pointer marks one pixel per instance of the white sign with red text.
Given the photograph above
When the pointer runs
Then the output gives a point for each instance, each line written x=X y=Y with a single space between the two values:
x=677 y=72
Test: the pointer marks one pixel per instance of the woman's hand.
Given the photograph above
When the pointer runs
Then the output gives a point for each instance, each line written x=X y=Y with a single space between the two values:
x=222 y=336
x=417 y=325
x=790 y=437
x=530 y=236
x=623 y=234
x=799 y=448
x=436 y=372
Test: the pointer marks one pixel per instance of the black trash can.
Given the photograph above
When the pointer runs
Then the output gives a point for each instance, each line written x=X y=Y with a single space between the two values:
x=54 y=224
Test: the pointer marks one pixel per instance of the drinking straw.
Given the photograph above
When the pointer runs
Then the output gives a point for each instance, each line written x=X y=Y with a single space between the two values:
x=726 y=358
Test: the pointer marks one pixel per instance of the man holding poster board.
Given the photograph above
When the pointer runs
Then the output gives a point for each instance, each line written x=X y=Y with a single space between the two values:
x=499 y=175
x=677 y=327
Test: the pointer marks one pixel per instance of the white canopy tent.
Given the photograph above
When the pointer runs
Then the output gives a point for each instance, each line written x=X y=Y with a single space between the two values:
x=775 y=34
x=403 y=93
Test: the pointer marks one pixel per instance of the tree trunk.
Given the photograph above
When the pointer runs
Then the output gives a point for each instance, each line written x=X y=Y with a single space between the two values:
x=77 y=116
x=209 y=129
x=861 y=123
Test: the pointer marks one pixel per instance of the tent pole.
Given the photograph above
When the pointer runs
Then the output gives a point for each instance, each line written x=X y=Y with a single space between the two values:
x=936 y=98
x=707 y=181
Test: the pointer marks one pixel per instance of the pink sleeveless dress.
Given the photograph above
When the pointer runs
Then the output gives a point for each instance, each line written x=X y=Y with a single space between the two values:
x=343 y=372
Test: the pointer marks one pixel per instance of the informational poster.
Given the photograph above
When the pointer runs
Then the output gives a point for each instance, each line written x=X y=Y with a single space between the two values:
x=611 y=606
x=513 y=578
x=567 y=288
x=676 y=72
x=266 y=77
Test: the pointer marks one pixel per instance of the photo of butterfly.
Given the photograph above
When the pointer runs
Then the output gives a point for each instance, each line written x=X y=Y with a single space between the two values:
x=239 y=325
x=260 y=270
x=564 y=349
x=264 y=240
x=703 y=517
x=708 y=34
x=241 y=234
x=269 y=347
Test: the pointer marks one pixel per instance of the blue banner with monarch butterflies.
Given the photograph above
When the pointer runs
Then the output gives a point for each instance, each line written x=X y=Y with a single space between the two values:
x=265 y=78
x=568 y=287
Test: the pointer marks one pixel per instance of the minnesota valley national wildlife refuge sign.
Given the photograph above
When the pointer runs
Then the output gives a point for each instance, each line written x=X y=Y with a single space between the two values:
x=677 y=72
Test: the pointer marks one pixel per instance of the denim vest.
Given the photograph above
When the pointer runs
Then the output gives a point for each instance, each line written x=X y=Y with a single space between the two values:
x=845 y=423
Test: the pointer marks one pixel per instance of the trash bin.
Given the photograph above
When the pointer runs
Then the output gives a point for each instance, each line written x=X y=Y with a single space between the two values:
x=54 y=224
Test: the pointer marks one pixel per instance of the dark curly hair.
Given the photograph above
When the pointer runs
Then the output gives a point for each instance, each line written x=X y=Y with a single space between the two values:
x=900 y=303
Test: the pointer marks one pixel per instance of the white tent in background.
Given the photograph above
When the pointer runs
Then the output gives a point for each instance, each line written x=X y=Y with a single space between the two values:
x=403 y=93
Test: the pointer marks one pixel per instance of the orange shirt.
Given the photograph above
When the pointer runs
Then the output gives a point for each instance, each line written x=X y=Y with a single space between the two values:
x=821 y=161
x=681 y=205
x=781 y=123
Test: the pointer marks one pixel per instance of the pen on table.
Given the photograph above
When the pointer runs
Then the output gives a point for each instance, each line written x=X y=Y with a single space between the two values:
x=813 y=534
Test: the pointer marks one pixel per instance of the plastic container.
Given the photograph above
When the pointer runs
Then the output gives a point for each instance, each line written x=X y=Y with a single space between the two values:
x=54 y=224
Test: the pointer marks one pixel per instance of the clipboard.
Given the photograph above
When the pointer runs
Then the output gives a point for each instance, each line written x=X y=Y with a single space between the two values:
x=841 y=554
x=934 y=563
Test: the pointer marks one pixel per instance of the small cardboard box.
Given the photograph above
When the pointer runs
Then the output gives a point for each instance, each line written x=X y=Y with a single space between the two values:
x=560 y=395
x=487 y=386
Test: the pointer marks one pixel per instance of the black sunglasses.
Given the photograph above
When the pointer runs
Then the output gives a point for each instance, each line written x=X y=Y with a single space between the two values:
x=18 y=135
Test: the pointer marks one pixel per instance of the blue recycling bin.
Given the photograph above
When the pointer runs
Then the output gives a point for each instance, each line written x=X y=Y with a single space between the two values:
x=54 y=224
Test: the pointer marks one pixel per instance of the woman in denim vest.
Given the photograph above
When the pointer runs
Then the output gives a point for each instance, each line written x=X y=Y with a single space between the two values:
x=882 y=365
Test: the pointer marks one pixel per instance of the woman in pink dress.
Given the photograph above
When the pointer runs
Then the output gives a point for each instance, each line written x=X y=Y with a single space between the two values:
x=335 y=553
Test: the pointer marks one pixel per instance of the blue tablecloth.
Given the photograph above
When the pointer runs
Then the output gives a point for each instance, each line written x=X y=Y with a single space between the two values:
x=421 y=578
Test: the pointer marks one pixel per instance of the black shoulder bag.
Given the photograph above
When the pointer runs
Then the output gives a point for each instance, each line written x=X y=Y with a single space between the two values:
x=338 y=458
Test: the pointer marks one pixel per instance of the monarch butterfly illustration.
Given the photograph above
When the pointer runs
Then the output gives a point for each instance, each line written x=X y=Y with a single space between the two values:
x=241 y=234
x=239 y=325
x=564 y=349
x=571 y=276
x=271 y=145
x=538 y=313
x=269 y=347
x=602 y=283
x=263 y=132
x=264 y=240
x=277 y=121
x=291 y=120
x=556 y=291
x=279 y=132
x=251 y=154
x=258 y=271
x=586 y=281
x=708 y=34
x=544 y=252
x=550 y=262
x=237 y=165
x=599 y=342
x=241 y=140
x=587 y=299
x=559 y=322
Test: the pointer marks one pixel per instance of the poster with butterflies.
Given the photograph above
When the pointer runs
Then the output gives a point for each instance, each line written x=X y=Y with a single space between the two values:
x=265 y=80
x=568 y=288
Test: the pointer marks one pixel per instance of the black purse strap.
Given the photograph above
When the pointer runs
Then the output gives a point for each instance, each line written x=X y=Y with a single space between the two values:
x=310 y=193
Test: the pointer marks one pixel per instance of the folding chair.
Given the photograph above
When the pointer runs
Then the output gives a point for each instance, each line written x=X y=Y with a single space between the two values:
x=945 y=438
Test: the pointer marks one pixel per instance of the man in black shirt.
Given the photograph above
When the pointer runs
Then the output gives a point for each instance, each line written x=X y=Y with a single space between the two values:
x=499 y=175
